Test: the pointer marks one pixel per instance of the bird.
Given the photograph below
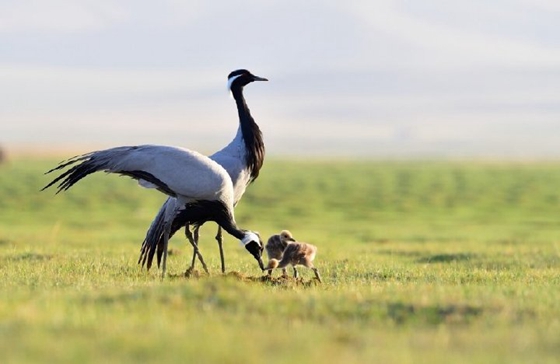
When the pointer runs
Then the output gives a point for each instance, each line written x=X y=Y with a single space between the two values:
x=242 y=158
x=197 y=182
x=276 y=245
x=296 y=253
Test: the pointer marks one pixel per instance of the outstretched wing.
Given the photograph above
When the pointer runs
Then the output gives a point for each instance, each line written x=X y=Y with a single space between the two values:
x=172 y=170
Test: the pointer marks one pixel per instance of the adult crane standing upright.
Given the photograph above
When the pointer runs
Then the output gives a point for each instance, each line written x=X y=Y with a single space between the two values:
x=242 y=158
x=198 y=183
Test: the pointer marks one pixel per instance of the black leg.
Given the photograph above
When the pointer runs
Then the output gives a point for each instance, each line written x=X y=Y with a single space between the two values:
x=196 y=252
x=219 y=238
x=190 y=238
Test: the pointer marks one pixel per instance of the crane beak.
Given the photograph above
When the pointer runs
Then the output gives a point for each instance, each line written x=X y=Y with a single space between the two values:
x=257 y=78
x=256 y=250
x=261 y=264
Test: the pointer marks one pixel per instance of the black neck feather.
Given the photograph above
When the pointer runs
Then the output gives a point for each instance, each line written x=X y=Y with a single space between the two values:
x=252 y=136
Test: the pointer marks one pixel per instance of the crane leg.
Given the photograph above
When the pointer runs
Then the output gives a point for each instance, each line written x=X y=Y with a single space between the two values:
x=195 y=245
x=196 y=252
x=196 y=240
x=219 y=238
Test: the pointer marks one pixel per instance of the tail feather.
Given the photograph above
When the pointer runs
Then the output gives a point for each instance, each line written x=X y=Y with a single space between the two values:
x=153 y=239
x=153 y=242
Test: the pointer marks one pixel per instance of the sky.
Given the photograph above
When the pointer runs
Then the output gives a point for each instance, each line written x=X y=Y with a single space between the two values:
x=348 y=78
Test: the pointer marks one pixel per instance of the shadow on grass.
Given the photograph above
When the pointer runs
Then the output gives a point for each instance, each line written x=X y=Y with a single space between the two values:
x=402 y=313
x=34 y=257
x=403 y=253
x=435 y=258
x=447 y=258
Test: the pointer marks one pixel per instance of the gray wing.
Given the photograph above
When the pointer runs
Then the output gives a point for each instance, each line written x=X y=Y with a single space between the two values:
x=174 y=171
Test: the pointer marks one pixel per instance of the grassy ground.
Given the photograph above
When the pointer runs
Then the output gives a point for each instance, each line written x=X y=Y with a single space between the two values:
x=423 y=262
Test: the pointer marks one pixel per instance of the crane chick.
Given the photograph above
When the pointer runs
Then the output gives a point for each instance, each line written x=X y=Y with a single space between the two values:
x=276 y=245
x=296 y=253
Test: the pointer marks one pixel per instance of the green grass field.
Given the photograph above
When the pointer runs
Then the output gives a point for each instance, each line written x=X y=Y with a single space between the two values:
x=432 y=262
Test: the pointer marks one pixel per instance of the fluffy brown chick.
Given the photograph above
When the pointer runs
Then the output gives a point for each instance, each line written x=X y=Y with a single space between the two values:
x=296 y=253
x=276 y=245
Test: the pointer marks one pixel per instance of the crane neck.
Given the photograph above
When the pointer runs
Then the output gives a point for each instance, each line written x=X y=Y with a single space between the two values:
x=197 y=213
x=226 y=220
x=252 y=135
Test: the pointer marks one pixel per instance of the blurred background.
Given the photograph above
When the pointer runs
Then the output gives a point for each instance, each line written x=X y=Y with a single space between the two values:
x=470 y=79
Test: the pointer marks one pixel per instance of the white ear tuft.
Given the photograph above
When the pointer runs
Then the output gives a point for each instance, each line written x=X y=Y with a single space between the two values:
x=230 y=81
x=249 y=237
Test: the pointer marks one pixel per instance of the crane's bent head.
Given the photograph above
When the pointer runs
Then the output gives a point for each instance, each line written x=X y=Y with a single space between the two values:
x=253 y=244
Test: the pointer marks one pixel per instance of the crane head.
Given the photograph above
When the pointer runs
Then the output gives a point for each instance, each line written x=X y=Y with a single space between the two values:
x=240 y=78
x=253 y=244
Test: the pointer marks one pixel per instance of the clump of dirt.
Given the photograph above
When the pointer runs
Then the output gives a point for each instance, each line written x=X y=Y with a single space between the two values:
x=235 y=274
x=192 y=273
x=172 y=251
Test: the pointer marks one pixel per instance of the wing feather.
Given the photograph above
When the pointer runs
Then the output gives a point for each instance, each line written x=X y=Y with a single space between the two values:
x=174 y=171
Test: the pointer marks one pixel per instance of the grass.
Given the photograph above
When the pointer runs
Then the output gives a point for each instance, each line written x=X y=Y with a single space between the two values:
x=422 y=262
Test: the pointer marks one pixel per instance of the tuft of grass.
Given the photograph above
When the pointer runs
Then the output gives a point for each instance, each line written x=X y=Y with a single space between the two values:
x=421 y=261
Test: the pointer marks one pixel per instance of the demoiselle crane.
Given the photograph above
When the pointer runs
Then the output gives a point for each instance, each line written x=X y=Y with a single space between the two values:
x=197 y=182
x=242 y=158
